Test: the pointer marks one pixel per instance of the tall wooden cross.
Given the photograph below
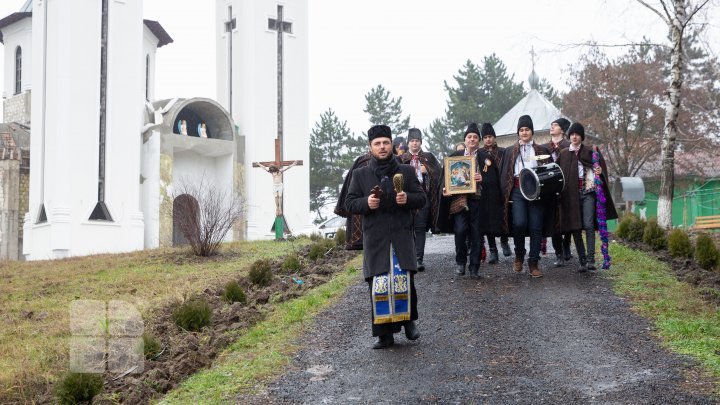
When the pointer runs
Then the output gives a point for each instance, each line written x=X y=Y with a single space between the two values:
x=276 y=169
x=277 y=24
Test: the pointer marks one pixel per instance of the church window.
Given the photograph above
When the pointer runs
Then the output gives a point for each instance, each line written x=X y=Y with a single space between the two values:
x=18 y=70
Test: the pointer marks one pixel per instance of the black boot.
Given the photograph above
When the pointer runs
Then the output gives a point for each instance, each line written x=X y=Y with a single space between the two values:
x=493 y=256
x=506 y=248
x=559 y=261
x=460 y=269
x=583 y=265
x=411 y=331
x=384 y=341
x=420 y=266
x=474 y=272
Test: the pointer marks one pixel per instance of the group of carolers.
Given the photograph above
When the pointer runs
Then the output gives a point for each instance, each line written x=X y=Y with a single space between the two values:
x=391 y=225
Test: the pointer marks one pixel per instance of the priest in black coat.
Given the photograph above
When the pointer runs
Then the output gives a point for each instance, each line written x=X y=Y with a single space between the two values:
x=389 y=261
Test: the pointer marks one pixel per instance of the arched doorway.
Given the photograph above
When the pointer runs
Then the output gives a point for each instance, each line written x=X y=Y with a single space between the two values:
x=186 y=219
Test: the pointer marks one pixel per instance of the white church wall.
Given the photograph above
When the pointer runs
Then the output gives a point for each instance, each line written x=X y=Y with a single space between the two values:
x=151 y=189
x=254 y=106
x=150 y=43
x=66 y=180
x=14 y=35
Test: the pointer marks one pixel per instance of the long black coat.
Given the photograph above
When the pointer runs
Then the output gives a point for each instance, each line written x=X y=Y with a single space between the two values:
x=353 y=225
x=570 y=198
x=390 y=223
x=507 y=175
x=491 y=207
x=431 y=182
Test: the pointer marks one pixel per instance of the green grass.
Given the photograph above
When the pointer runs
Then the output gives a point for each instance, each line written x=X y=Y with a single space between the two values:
x=687 y=324
x=263 y=351
x=33 y=349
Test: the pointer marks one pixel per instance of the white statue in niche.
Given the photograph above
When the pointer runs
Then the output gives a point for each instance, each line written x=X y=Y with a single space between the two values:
x=202 y=130
x=182 y=127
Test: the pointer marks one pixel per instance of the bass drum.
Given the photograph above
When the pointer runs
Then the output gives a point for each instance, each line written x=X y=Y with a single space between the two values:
x=541 y=182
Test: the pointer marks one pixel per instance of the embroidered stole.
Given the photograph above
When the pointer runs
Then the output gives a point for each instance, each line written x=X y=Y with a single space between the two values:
x=391 y=294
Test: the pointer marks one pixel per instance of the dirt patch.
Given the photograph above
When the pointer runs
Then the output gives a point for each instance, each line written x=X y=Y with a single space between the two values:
x=184 y=353
x=686 y=270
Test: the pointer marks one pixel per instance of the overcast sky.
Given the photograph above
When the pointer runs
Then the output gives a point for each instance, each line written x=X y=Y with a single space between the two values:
x=409 y=46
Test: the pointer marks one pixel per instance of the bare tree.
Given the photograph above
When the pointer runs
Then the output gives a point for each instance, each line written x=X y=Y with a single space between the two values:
x=677 y=15
x=205 y=213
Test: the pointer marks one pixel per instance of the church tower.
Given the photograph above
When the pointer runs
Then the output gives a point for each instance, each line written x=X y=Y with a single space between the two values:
x=262 y=79
x=88 y=79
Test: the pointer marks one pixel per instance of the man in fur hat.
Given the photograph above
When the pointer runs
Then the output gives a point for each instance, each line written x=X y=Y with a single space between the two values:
x=558 y=142
x=577 y=211
x=523 y=217
x=389 y=261
x=492 y=207
x=428 y=170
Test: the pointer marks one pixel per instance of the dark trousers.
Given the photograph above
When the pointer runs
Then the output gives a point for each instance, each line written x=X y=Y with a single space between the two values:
x=587 y=214
x=394 y=327
x=492 y=244
x=527 y=218
x=421 y=220
x=468 y=223
x=561 y=244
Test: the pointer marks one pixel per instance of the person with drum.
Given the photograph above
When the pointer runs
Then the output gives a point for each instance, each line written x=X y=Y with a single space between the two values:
x=558 y=142
x=525 y=217
x=460 y=213
x=489 y=159
x=577 y=212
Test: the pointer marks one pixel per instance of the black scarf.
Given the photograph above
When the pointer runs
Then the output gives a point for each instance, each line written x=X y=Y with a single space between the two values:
x=384 y=170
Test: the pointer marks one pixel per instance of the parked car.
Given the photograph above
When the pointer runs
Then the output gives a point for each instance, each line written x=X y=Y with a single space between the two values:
x=328 y=228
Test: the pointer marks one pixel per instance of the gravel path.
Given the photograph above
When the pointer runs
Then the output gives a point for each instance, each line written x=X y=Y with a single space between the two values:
x=505 y=338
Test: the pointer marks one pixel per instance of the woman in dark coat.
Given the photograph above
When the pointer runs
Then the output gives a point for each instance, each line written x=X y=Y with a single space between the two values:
x=577 y=202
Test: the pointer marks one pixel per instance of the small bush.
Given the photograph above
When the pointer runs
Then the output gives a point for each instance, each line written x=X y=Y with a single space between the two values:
x=340 y=237
x=654 y=235
x=316 y=251
x=631 y=228
x=291 y=263
x=261 y=273
x=679 y=244
x=315 y=236
x=78 y=387
x=193 y=314
x=706 y=252
x=234 y=293
x=151 y=346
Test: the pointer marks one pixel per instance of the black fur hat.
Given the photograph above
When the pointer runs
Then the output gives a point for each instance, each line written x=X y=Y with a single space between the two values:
x=525 y=121
x=577 y=128
x=379 y=131
x=487 y=129
x=414 y=133
x=472 y=129
x=564 y=124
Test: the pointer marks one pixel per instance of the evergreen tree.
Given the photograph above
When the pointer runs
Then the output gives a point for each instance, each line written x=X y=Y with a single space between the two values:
x=549 y=92
x=498 y=91
x=464 y=100
x=437 y=140
x=329 y=151
x=384 y=110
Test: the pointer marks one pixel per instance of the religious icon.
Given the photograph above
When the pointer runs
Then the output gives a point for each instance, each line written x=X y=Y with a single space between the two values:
x=459 y=173
x=202 y=130
x=182 y=127
x=276 y=173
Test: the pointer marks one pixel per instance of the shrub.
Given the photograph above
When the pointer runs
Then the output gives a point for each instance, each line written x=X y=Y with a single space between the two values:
x=631 y=228
x=192 y=315
x=316 y=251
x=234 y=293
x=315 y=236
x=261 y=273
x=706 y=252
x=340 y=237
x=654 y=235
x=291 y=263
x=78 y=387
x=679 y=243
x=151 y=346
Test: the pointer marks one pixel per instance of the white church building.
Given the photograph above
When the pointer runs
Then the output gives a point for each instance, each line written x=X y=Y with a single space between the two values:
x=106 y=157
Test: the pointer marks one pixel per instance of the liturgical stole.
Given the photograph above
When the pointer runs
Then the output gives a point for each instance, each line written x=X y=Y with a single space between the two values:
x=391 y=294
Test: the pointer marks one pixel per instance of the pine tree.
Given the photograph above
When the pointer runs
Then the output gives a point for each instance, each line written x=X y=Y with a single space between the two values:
x=549 y=92
x=437 y=140
x=384 y=110
x=463 y=100
x=329 y=151
x=498 y=91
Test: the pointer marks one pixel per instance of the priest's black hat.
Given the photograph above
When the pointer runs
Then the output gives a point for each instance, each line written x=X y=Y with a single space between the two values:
x=414 y=133
x=564 y=124
x=577 y=128
x=379 y=131
x=472 y=129
x=526 y=122
x=487 y=129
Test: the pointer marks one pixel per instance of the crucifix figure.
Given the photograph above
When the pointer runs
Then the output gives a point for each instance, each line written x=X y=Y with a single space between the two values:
x=281 y=27
x=276 y=168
